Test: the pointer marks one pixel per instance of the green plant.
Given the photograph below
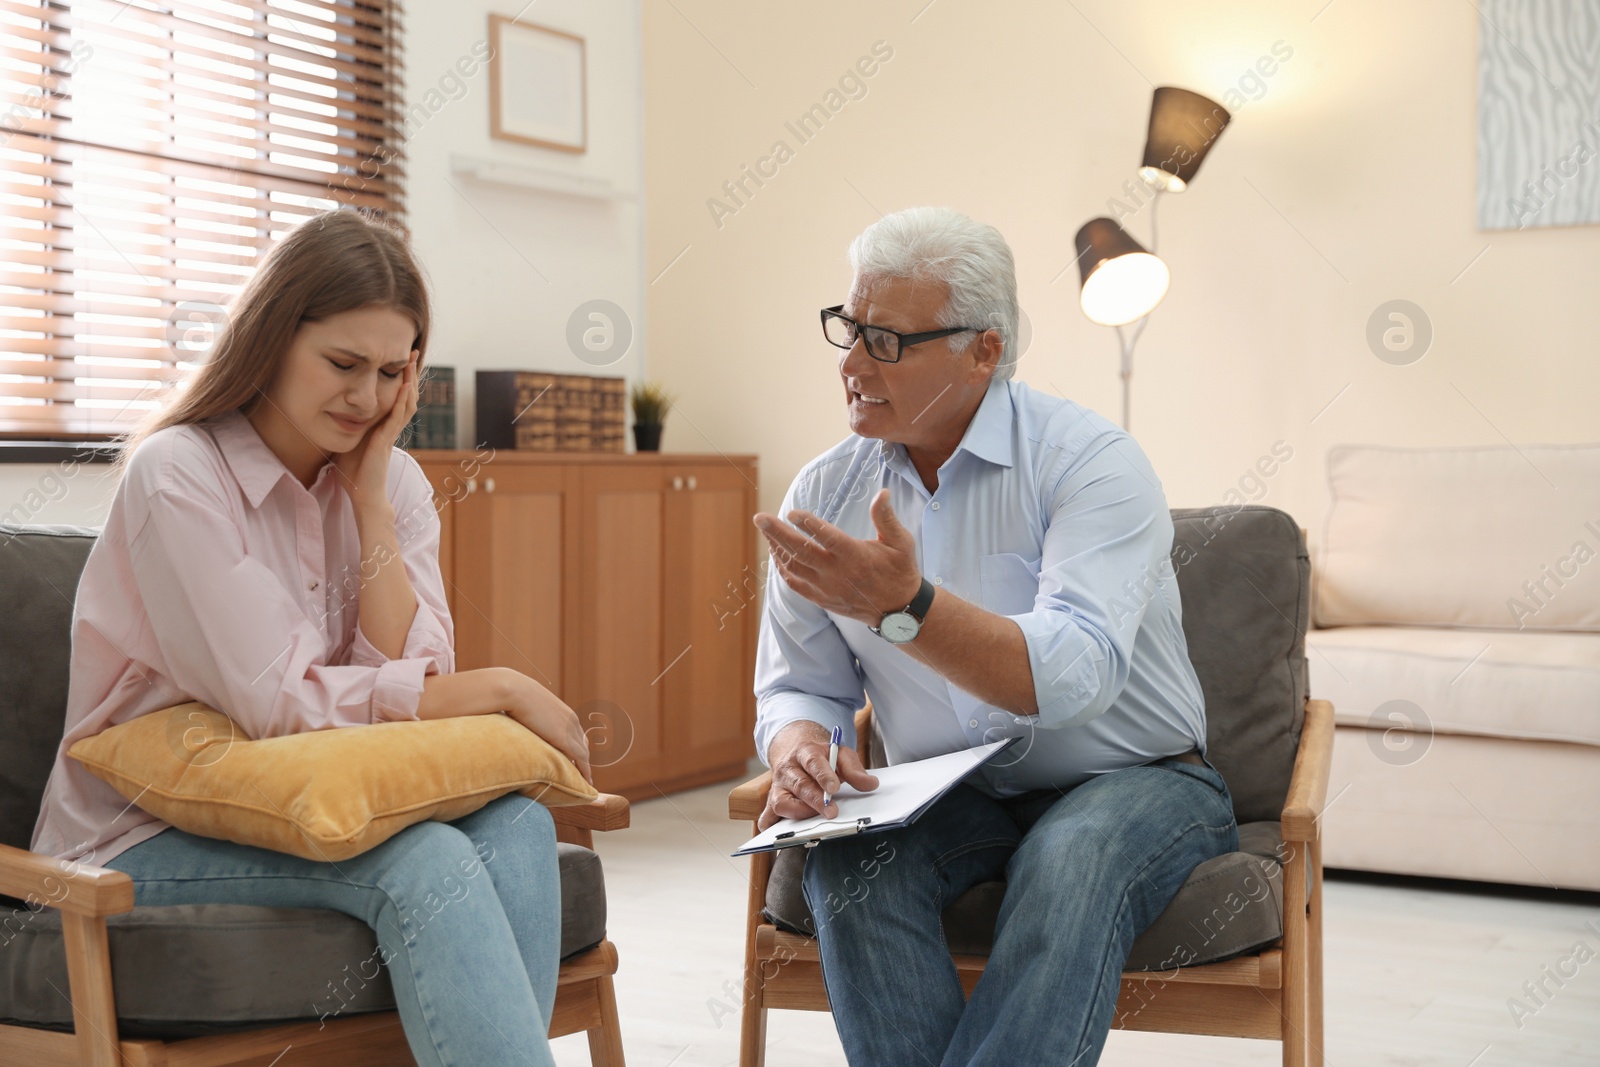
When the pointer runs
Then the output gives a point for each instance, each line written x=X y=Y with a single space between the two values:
x=651 y=402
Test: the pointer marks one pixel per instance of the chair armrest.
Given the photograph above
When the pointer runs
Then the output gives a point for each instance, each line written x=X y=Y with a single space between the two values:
x=605 y=812
x=72 y=887
x=1308 y=786
x=746 y=802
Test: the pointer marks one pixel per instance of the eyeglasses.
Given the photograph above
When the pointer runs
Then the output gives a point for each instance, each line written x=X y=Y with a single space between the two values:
x=883 y=345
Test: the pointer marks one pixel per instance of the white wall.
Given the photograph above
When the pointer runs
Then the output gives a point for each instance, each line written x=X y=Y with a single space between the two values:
x=484 y=246
x=1348 y=182
x=74 y=493
x=510 y=265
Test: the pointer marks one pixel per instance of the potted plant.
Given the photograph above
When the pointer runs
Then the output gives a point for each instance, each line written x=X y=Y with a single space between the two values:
x=650 y=402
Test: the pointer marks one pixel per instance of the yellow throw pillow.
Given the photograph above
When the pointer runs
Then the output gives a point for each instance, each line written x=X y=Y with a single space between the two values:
x=328 y=794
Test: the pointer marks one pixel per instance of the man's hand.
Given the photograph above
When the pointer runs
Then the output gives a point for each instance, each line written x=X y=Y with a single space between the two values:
x=800 y=774
x=861 y=580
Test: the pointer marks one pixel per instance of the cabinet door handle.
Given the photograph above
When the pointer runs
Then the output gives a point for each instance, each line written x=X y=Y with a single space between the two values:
x=472 y=485
x=488 y=485
x=692 y=482
x=677 y=483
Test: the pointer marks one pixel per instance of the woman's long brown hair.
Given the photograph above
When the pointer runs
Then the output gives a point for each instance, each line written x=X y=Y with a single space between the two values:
x=332 y=262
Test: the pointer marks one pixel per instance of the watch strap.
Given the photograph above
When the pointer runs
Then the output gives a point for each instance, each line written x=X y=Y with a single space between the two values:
x=922 y=601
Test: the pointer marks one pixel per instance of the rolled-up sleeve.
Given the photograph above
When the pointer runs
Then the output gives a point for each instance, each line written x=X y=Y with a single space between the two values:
x=430 y=642
x=804 y=669
x=231 y=634
x=1106 y=550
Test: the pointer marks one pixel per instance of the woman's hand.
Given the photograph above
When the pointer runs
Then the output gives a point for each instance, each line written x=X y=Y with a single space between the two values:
x=541 y=711
x=364 y=470
x=490 y=690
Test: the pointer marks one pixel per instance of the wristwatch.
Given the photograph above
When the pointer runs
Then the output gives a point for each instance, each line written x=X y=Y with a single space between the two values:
x=898 y=627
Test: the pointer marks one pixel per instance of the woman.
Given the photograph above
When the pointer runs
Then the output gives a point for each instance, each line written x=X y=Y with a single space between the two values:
x=269 y=552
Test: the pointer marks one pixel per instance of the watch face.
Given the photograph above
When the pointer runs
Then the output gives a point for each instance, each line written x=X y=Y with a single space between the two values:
x=899 y=627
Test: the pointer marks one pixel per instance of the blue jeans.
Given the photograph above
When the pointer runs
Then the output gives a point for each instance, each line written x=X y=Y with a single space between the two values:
x=1086 y=871
x=468 y=918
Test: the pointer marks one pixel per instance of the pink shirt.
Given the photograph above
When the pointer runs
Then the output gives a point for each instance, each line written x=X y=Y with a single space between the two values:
x=220 y=578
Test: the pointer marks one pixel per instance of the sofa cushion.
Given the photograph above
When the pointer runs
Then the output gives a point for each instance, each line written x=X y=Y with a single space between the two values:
x=176 y=971
x=39 y=571
x=1492 y=537
x=1530 y=686
x=1229 y=905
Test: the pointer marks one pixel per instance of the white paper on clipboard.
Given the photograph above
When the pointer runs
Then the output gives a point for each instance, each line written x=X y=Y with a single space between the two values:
x=904 y=792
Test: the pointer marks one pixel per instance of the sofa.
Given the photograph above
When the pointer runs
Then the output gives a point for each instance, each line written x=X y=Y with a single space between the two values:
x=1456 y=630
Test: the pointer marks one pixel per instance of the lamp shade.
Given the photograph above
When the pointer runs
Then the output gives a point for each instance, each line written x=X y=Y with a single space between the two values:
x=1183 y=126
x=1120 y=281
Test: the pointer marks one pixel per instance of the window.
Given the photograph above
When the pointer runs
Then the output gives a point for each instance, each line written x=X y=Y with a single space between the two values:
x=150 y=153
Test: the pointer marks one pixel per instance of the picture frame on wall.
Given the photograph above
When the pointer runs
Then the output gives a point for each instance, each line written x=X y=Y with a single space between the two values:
x=538 y=89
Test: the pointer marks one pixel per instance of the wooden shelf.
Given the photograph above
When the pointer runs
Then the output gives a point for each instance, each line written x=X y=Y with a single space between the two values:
x=626 y=584
x=537 y=179
x=426 y=456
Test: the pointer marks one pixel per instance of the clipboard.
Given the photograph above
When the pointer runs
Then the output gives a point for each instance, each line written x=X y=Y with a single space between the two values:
x=905 y=791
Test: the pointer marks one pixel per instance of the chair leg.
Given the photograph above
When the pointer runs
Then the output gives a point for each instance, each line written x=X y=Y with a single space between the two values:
x=1314 y=958
x=753 y=1024
x=605 y=1040
x=94 y=1009
x=1294 y=1015
x=753 y=1016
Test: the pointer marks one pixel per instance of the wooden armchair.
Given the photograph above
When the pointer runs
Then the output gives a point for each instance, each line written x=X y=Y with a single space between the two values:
x=87 y=896
x=1275 y=993
x=39 y=572
x=1244 y=578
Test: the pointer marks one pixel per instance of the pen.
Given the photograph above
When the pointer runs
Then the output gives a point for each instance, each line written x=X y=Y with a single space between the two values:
x=833 y=757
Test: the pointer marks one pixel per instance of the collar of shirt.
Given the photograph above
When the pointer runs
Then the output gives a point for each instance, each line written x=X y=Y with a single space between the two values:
x=257 y=467
x=988 y=436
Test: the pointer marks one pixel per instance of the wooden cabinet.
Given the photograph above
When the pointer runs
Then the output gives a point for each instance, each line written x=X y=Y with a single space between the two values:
x=627 y=584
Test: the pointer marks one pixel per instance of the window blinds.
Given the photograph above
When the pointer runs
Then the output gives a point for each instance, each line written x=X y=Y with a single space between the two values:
x=150 y=153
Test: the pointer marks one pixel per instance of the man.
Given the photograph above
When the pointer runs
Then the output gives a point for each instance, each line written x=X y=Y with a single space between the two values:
x=983 y=561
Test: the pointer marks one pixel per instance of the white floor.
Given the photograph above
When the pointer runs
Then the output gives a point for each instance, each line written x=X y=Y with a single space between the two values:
x=1418 y=972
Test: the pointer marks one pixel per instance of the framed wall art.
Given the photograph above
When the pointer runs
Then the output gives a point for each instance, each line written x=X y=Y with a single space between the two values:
x=537 y=90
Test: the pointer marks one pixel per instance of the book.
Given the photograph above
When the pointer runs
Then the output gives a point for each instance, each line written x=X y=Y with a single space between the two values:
x=537 y=411
x=434 y=424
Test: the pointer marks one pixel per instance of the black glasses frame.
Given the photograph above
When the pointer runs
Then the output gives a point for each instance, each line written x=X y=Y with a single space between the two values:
x=906 y=340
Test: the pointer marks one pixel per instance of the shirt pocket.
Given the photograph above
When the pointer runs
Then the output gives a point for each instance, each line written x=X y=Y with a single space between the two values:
x=1009 y=583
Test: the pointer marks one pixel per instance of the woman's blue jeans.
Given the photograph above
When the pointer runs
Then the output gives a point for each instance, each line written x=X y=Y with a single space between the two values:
x=1086 y=872
x=468 y=918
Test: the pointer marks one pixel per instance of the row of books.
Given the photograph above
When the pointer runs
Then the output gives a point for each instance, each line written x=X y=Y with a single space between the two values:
x=533 y=411
x=536 y=411
x=434 y=424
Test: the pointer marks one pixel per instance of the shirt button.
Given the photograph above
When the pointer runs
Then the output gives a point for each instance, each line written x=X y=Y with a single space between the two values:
x=938 y=581
x=313 y=586
x=935 y=505
x=972 y=723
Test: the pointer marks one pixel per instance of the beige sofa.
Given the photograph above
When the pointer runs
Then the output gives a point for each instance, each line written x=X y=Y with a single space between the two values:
x=1456 y=629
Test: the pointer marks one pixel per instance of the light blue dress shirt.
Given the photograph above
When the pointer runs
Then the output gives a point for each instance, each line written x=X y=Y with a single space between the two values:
x=1046 y=513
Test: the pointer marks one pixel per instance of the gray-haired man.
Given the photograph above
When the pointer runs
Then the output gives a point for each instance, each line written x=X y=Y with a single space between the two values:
x=983 y=561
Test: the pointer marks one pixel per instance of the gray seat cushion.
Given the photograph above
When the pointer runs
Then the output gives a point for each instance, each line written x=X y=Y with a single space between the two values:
x=1229 y=906
x=176 y=971
x=204 y=969
x=1245 y=579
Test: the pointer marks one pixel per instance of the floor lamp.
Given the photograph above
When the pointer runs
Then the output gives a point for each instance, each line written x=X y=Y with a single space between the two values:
x=1120 y=282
